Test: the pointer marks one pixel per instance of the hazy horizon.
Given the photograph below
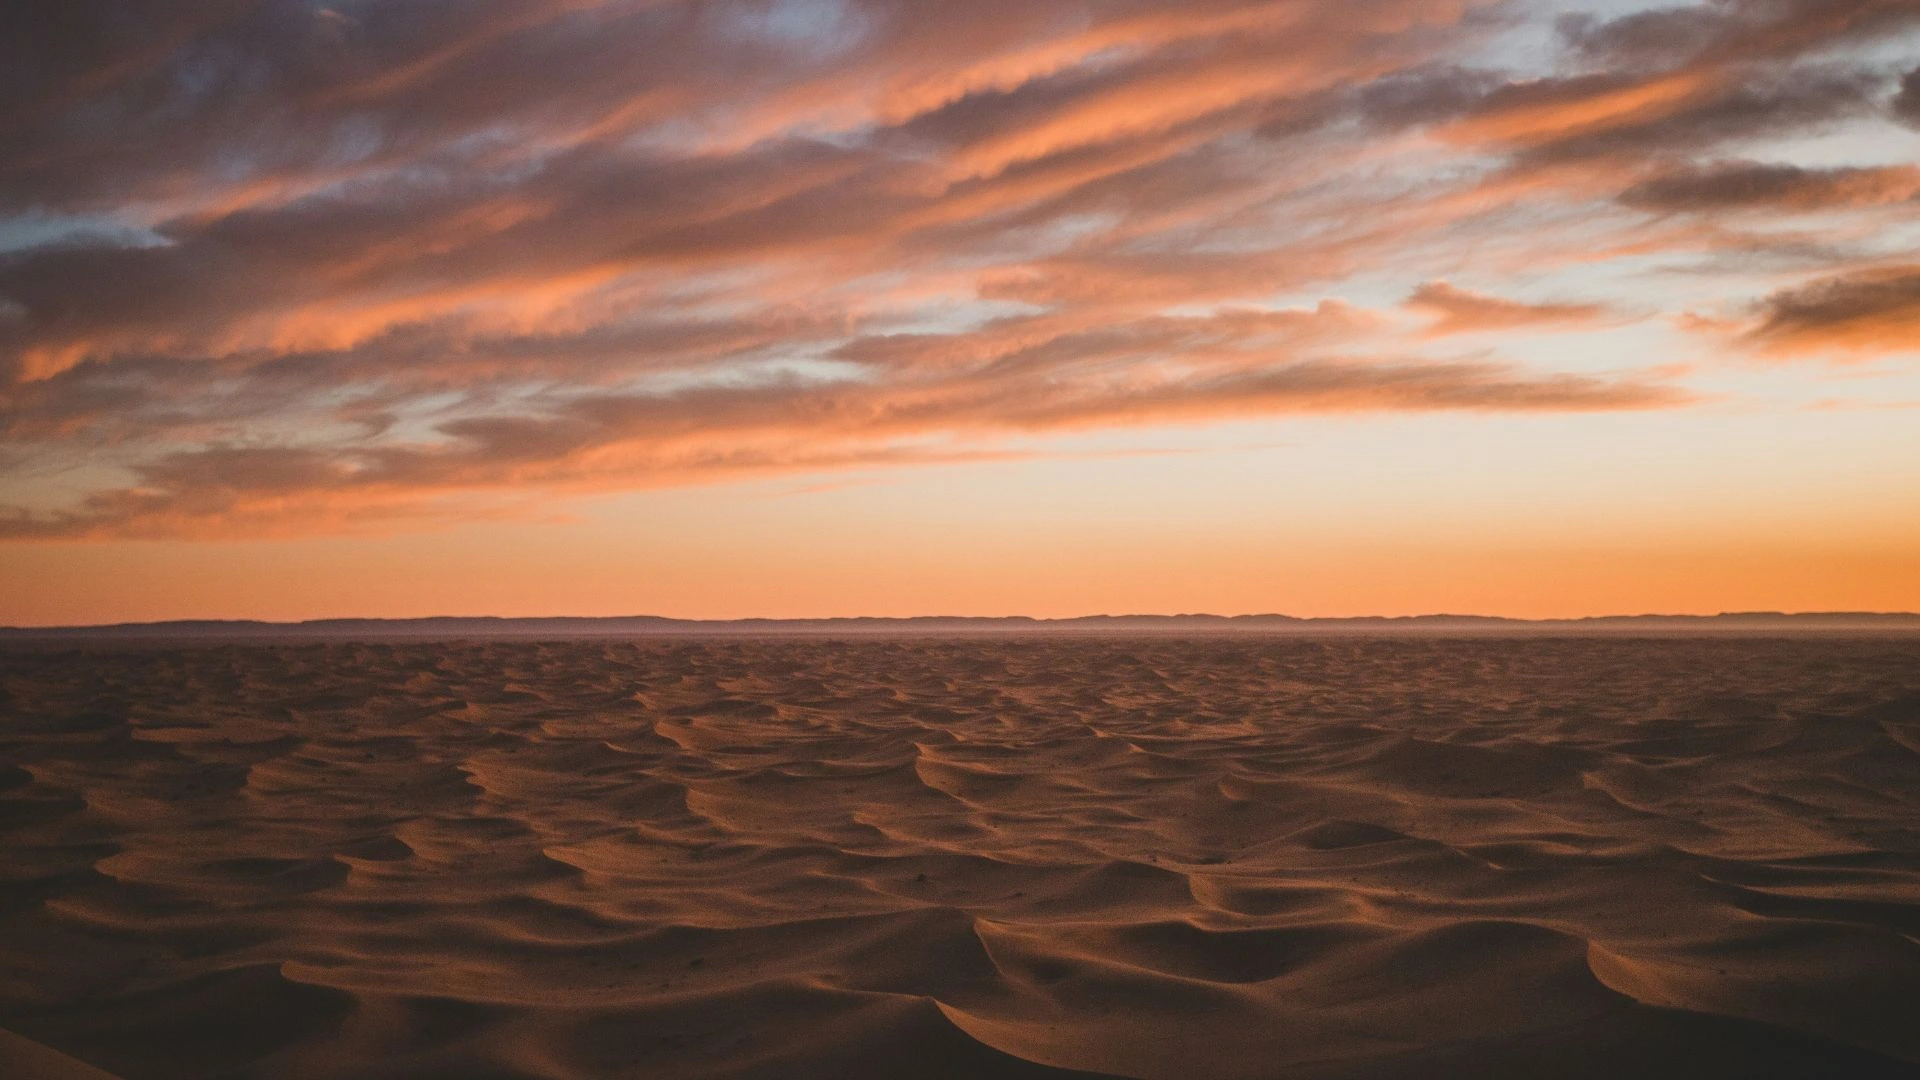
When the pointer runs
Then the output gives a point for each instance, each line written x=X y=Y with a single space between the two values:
x=1814 y=620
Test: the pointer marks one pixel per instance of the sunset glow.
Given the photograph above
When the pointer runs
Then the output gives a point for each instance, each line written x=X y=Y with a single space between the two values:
x=869 y=307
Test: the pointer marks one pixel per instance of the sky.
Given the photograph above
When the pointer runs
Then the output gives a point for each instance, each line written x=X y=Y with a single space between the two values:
x=789 y=308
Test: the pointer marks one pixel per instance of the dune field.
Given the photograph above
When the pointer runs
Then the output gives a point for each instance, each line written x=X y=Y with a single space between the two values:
x=1163 y=857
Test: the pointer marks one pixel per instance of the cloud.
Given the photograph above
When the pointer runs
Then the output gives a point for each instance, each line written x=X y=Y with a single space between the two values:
x=1906 y=103
x=1684 y=80
x=612 y=441
x=1730 y=31
x=1691 y=110
x=1734 y=185
x=1458 y=311
x=1865 y=314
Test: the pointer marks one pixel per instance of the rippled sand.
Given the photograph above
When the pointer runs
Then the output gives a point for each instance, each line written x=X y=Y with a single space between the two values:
x=989 y=857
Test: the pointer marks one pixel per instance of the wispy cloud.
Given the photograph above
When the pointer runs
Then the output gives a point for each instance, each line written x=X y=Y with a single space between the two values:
x=1457 y=311
x=1752 y=185
x=1852 y=315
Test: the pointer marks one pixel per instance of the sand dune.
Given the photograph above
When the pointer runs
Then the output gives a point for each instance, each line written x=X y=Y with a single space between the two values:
x=1150 y=857
x=24 y=1059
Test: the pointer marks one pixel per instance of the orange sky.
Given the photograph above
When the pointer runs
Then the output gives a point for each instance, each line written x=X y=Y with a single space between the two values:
x=832 y=307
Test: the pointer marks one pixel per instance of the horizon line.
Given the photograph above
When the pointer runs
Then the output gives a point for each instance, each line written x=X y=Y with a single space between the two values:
x=627 y=624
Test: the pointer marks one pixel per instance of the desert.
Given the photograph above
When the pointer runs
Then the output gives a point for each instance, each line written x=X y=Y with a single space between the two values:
x=1160 y=856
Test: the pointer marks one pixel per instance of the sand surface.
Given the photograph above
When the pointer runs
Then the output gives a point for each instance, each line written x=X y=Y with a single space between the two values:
x=1174 y=859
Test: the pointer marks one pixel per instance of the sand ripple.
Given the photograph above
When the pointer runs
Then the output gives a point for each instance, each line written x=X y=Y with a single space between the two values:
x=1235 y=857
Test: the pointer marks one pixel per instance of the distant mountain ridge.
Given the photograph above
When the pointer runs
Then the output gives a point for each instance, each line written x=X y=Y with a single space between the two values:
x=449 y=627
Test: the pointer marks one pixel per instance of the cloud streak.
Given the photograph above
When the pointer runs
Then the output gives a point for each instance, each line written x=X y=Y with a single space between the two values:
x=1459 y=311
x=1751 y=185
x=1849 y=316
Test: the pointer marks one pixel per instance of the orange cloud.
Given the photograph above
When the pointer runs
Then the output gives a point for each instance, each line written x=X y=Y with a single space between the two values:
x=1555 y=109
x=1743 y=185
x=1871 y=313
x=1459 y=311
x=624 y=440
